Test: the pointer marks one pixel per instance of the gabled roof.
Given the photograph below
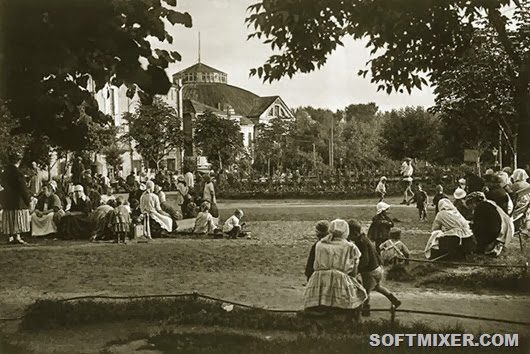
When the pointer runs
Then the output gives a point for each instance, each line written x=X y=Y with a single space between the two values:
x=198 y=68
x=245 y=121
x=260 y=105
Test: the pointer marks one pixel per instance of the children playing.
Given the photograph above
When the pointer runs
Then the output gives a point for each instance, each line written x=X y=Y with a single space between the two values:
x=121 y=221
x=204 y=223
x=321 y=231
x=393 y=249
x=232 y=226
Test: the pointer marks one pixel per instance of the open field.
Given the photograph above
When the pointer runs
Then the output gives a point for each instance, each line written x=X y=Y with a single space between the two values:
x=266 y=270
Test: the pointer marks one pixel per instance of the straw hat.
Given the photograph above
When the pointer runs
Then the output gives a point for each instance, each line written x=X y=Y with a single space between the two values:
x=459 y=193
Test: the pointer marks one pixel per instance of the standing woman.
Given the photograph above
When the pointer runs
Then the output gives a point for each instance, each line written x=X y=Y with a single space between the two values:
x=208 y=195
x=36 y=179
x=182 y=195
x=16 y=197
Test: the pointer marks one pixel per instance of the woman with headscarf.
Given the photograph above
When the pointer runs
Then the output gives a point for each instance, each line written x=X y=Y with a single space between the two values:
x=521 y=197
x=381 y=225
x=47 y=213
x=156 y=221
x=492 y=227
x=75 y=224
x=15 y=200
x=332 y=284
x=450 y=233
x=167 y=207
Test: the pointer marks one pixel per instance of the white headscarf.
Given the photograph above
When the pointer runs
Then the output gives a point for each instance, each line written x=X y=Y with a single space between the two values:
x=338 y=229
x=519 y=175
x=382 y=206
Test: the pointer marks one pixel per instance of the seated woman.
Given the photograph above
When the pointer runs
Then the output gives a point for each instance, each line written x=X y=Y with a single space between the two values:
x=460 y=204
x=204 y=223
x=100 y=219
x=172 y=212
x=156 y=221
x=450 y=233
x=75 y=224
x=491 y=226
x=332 y=286
x=47 y=213
x=521 y=198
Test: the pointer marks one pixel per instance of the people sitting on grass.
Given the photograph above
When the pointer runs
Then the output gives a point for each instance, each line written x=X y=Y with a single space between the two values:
x=393 y=250
x=497 y=194
x=451 y=235
x=381 y=225
x=369 y=266
x=167 y=207
x=321 y=231
x=233 y=225
x=421 y=199
x=48 y=212
x=107 y=194
x=156 y=222
x=121 y=221
x=333 y=288
x=380 y=190
x=204 y=222
x=492 y=227
x=437 y=197
x=75 y=224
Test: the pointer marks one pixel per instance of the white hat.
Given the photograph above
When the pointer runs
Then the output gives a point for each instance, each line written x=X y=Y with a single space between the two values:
x=459 y=193
x=78 y=188
x=339 y=226
x=462 y=181
x=382 y=206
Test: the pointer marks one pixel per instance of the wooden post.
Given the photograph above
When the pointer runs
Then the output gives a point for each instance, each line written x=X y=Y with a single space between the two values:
x=392 y=314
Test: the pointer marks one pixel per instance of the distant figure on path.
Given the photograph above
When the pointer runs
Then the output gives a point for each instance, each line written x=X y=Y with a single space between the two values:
x=381 y=189
x=406 y=173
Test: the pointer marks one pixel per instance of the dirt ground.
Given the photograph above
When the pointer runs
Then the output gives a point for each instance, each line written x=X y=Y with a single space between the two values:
x=266 y=270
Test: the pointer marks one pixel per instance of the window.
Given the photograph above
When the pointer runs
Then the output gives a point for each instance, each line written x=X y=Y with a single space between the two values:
x=271 y=112
x=277 y=111
x=249 y=139
x=112 y=101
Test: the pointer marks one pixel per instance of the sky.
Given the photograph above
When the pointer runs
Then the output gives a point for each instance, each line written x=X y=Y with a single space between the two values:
x=224 y=46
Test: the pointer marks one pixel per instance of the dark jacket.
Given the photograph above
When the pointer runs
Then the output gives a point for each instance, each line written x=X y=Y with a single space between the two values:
x=500 y=197
x=486 y=225
x=309 y=270
x=379 y=228
x=16 y=195
x=369 y=257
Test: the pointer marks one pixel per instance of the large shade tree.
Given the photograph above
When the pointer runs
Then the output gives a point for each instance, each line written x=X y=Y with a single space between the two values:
x=51 y=49
x=412 y=41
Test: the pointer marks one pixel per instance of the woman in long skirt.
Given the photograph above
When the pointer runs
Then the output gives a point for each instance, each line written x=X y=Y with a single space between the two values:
x=16 y=198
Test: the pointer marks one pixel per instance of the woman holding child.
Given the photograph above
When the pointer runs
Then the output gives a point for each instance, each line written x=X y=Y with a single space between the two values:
x=333 y=283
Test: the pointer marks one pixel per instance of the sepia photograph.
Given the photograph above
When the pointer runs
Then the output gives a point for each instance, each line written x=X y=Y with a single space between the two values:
x=264 y=176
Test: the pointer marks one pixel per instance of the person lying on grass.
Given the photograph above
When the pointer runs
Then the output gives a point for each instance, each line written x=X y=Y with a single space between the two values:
x=394 y=250
x=321 y=230
x=369 y=266
x=232 y=226
x=204 y=223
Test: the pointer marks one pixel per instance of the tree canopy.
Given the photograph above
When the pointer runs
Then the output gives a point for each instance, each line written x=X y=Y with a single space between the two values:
x=52 y=50
x=154 y=130
x=411 y=41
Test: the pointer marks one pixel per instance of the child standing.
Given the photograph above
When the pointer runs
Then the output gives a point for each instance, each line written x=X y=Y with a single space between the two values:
x=381 y=225
x=421 y=199
x=121 y=221
x=381 y=188
x=393 y=249
x=204 y=222
x=321 y=231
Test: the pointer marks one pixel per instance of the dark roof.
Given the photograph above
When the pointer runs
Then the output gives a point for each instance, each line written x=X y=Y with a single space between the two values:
x=213 y=94
x=193 y=106
x=260 y=105
x=198 y=68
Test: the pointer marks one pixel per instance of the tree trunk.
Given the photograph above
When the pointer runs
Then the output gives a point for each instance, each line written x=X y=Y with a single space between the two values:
x=220 y=161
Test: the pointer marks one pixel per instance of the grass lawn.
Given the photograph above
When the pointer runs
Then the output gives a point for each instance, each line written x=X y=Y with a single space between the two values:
x=266 y=270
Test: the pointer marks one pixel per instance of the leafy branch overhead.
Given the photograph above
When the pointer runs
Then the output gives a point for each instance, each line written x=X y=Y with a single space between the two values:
x=52 y=48
x=412 y=42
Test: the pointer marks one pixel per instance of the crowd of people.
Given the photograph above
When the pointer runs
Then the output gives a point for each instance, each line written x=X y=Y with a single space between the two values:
x=483 y=216
x=87 y=207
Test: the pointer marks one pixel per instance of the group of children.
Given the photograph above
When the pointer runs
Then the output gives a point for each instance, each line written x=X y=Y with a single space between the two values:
x=376 y=250
x=232 y=227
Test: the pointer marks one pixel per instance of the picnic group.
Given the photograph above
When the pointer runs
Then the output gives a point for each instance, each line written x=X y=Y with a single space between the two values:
x=87 y=208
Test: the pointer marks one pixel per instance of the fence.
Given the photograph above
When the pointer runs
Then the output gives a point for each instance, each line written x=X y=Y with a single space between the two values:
x=195 y=295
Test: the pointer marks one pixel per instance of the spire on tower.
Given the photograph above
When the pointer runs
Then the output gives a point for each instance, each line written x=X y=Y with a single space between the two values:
x=199 y=60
